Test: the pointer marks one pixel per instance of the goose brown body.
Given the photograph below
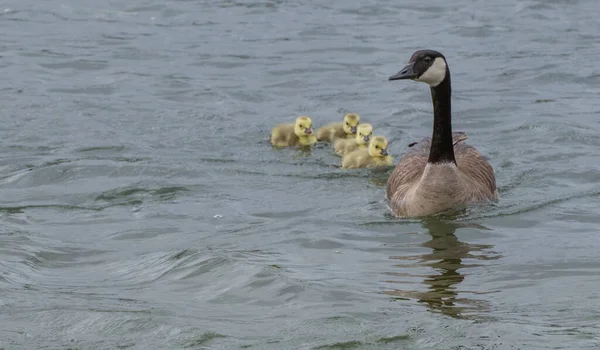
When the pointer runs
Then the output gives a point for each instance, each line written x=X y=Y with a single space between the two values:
x=417 y=188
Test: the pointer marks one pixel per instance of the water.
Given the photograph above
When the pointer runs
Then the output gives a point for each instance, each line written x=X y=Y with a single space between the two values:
x=142 y=207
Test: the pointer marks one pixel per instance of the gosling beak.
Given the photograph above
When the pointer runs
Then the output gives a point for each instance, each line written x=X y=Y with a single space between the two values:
x=353 y=129
x=367 y=138
x=406 y=73
x=308 y=131
x=384 y=152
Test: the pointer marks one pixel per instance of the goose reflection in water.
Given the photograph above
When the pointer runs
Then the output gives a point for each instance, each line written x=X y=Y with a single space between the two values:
x=446 y=259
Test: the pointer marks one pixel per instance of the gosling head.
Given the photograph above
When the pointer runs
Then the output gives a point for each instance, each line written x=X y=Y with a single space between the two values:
x=351 y=121
x=378 y=146
x=364 y=133
x=303 y=126
x=427 y=66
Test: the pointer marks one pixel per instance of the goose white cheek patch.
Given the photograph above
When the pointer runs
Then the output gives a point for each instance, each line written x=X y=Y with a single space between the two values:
x=435 y=74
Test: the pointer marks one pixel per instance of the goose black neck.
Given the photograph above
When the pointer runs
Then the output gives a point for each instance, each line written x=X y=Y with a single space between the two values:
x=442 y=148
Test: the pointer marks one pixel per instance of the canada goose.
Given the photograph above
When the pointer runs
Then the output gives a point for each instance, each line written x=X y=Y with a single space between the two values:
x=374 y=156
x=345 y=129
x=440 y=173
x=362 y=138
x=298 y=134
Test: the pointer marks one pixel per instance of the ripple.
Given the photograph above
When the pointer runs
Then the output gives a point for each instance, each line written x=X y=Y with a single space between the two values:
x=521 y=209
x=85 y=65
x=104 y=89
x=161 y=267
x=135 y=195
x=340 y=345
x=101 y=149
x=202 y=340
x=62 y=207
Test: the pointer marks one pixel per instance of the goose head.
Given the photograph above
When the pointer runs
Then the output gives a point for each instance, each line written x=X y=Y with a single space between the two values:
x=363 y=134
x=428 y=66
x=351 y=121
x=303 y=126
x=378 y=147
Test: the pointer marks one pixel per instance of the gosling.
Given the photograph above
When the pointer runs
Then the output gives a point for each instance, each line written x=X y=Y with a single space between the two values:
x=361 y=140
x=345 y=129
x=291 y=135
x=374 y=156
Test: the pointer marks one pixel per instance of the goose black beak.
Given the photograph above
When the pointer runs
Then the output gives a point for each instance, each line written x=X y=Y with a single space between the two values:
x=384 y=152
x=353 y=129
x=406 y=73
x=308 y=131
x=367 y=138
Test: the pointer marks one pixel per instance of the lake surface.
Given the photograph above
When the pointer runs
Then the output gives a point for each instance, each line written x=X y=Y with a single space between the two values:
x=142 y=207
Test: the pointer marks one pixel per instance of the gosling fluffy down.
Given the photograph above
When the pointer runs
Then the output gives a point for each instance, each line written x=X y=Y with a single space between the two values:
x=291 y=135
x=361 y=140
x=374 y=156
x=345 y=129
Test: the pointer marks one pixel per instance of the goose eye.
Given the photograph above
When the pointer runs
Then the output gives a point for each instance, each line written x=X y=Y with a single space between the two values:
x=427 y=59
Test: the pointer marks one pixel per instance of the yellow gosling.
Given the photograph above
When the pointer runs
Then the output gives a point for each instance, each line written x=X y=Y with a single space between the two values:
x=290 y=135
x=361 y=140
x=374 y=156
x=345 y=129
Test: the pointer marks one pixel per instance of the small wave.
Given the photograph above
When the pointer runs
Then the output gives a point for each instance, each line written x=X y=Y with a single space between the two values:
x=159 y=267
x=65 y=207
x=100 y=89
x=101 y=149
x=137 y=194
x=87 y=65
x=516 y=209
x=202 y=340
x=352 y=344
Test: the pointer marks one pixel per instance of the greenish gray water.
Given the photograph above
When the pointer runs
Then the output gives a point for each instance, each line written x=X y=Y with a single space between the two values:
x=142 y=207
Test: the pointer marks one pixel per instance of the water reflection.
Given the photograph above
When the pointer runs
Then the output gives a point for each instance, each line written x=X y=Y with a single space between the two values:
x=446 y=259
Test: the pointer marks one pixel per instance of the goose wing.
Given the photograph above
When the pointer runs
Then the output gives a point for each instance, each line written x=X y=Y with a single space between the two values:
x=477 y=171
